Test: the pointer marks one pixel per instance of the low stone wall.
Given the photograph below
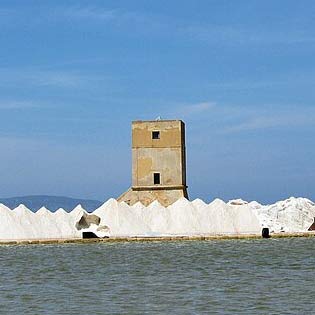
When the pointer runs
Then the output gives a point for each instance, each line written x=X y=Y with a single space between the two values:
x=151 y=239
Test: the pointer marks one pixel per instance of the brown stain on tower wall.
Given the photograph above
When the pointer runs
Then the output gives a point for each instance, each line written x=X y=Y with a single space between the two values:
x=146 y=167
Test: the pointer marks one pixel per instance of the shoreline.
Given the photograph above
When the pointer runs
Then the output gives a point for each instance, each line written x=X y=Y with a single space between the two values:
x=151 y=239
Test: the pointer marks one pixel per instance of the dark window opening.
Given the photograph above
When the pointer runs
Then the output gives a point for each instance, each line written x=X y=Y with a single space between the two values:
x=157 y=178
x=155 y=135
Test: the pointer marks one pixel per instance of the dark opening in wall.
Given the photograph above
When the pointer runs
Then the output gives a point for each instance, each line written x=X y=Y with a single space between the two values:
x=157 y=178
x=89 y=235
x=155 y=135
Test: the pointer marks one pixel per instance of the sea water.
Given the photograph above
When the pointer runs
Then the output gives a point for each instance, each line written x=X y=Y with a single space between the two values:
x=273 y=276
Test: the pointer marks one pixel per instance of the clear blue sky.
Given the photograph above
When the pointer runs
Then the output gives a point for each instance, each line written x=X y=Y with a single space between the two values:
x=241 y=74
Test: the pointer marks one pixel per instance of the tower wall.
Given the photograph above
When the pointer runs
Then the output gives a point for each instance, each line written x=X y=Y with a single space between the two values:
x=163 y=155
x=158 y=162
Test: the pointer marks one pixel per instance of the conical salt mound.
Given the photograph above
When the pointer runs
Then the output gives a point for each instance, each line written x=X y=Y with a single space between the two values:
x=25 y=223
x=183 y=220
x=43 y=211
x=8 y=227
x=22 y=210
x=138 y=205
x=60 y=212
x=217 y=203
x=77 y=213
x=77 y=210
x=47 y=225
x=221 y=221
x=110 y=203
x=155 y=217
x=199 y=204
x=121 y=219
x=245 y=221
x=4 y=206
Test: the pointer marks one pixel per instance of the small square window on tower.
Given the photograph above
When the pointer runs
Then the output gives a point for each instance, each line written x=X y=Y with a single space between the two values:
x=157 y=178
x=155 y=135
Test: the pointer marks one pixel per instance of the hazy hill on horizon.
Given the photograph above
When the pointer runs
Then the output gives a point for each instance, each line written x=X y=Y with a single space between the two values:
x=50 y=202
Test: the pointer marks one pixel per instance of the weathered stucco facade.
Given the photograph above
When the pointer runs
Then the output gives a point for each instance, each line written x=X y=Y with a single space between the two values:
x=158 y=162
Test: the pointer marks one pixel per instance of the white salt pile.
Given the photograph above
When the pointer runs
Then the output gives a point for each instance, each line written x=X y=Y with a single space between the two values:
x=182 y=218
x=291 y=215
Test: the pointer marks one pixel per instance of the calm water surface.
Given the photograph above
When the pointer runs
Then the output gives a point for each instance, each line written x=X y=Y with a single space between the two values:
x=274 y=276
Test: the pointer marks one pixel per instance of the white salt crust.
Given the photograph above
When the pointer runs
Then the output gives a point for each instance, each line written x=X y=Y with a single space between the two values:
x=183 y=218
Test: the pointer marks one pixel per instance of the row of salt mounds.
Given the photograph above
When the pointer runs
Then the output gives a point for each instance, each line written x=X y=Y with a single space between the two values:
x=23 y=224
x=181 y=218
x=198 y=218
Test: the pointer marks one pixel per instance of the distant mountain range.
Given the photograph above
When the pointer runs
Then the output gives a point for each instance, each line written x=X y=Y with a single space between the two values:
x=50 y=202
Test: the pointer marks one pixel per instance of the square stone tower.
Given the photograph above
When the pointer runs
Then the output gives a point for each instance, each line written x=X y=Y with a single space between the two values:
x=158 y=162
